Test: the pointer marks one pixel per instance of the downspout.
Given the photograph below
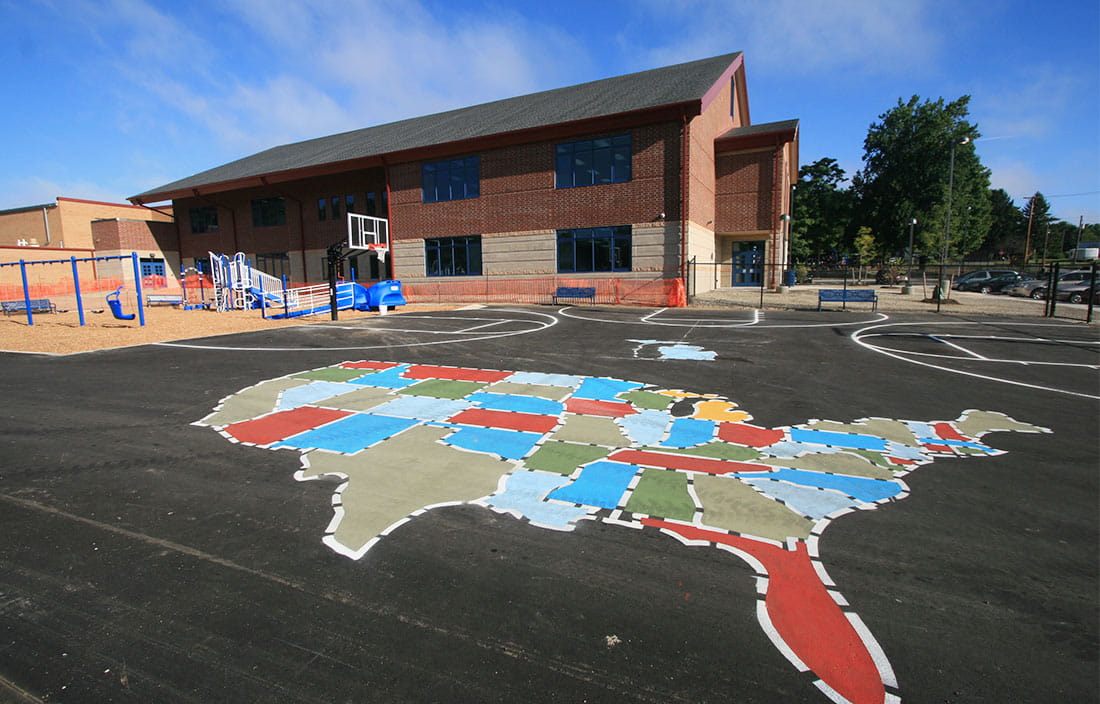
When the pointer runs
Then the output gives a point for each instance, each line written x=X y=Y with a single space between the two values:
x=684 y=163
x=389 y=216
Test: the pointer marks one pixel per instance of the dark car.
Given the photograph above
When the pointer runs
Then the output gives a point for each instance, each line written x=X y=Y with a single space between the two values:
x=1077 y=292
x=980 y=276
x=1037 y=289
x=995 y=284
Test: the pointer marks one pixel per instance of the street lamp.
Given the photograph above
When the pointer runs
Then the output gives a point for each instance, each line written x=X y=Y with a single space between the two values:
x=908 y=287
x=947 y=226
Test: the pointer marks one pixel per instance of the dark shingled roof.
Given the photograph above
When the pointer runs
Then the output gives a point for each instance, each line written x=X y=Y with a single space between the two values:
x=610 y=96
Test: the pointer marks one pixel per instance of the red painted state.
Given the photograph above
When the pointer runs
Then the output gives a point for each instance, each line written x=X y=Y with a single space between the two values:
x=421 y=371
x=750 y=435
x=805 y=617
x=946 y=432
x=938 y=448
x=507 y=420
x=687 y=463
x=591 y=407
x=369 y=365
x=281 y=425
x=899 y=460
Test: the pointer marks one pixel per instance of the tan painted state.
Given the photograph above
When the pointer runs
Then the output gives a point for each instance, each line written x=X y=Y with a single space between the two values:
x=250 y=403
x=978 y=423
x=833 y=463
x=892 y=430
x=404 y=474
x=359 y=400
x=553 y=393
x=732 y=505
x=594 y=430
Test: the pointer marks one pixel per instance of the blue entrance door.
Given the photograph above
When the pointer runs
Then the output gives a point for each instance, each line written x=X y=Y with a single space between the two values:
x=748 y=267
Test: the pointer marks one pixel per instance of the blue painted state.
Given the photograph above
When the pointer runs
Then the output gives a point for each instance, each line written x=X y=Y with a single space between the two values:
x=682 y=351
x=516 y=403
x=545 y=379
x=905 y=452
x=861 y=488
x=790 y=449
x=386 y=379
x=525 y=491
x=850 y=440
x=921 y=430
x=689 y=432
x=421 y=407
x=509 y=444
x=814 y=503
x=603 y=389
x=600 y=484
x=350 y=434
x=312 y=392
x=646 y=427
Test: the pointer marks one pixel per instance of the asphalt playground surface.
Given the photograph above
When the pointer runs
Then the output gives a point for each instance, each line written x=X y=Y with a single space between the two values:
x=146 y=559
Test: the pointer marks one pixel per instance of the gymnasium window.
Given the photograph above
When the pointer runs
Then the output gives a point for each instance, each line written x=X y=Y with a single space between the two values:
x=453 y=179
x=334 y=202
x=322 y=208
x=349 y=203
x=372 y=204
x=453 y=256
x=593 y=161
x=594 y=249
x=203 y=219
x=268 y=212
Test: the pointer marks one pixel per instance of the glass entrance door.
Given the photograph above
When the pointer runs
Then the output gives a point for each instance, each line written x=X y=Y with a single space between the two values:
x=748 y=264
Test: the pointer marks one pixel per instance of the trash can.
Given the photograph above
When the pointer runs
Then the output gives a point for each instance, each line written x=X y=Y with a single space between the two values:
x=385 y=293
x=789 y=278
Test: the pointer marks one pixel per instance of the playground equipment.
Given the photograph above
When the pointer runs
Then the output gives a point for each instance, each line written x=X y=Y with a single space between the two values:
x=74 y=261
x=238 y=286
x=116 y=306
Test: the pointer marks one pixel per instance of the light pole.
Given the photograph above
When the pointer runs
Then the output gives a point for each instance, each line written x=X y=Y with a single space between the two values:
x=908 y=287
x=947 y=227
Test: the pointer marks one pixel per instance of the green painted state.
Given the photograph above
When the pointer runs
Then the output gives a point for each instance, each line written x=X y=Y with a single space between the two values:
x=564 y=457
x=332 y=374
x=591 y=429
x=251 y=402
x=716 y=450
x=647 y=400
x=732 y=505
x=876 y=458
x=443 y=388
x=664 y=493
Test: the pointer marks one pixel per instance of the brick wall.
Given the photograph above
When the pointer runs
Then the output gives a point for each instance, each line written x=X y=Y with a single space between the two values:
x=745 y=191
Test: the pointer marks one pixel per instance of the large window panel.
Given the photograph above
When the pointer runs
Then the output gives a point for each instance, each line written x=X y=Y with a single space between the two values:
x=453 y=256
x=593 y=162
x=594 y=249
x=268 y=212
x=453 y=179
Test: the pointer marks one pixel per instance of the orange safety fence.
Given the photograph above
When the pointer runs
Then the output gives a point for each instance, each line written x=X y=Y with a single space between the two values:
x=611 y=291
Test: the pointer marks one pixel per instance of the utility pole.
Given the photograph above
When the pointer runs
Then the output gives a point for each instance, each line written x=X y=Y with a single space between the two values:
x=1027 y=242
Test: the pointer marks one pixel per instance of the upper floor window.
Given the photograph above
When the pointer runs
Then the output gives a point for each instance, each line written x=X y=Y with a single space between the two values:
x=453 y=256
x=268 y=212
x=322 y=208
x=593 y=161
x=453 y=179
x=204 y=219
x=594 y=249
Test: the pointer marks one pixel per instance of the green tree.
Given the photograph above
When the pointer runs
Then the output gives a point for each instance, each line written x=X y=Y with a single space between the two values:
x=821 y=210
x=907 y=166
x=866 y=246
x=1037 y=218
x=1006 y=227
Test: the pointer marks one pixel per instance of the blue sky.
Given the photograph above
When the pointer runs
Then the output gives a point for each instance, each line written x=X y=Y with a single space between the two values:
x=108 y=98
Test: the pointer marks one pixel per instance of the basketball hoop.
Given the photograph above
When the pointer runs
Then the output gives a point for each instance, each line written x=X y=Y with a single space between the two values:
x=379 y=249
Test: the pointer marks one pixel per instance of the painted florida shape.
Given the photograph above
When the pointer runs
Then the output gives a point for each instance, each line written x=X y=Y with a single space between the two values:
x=555 y=449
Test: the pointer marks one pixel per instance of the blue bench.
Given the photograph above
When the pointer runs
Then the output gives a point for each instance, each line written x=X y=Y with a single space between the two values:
x=855 y=295
x=169 y=299
x=38 y=305
x=574 y=292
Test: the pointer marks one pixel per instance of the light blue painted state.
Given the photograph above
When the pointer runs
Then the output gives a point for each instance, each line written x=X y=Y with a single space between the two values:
x=861 y=488
x=600 y=484
x=646 y=427
x=421 y=407
x=509 y=444
x=790 y=449
x=538 y=379
x=849 y=440
x=689 y=432
x=603 y=389
x=516 y=403
x=669 y=349
x=815 y=503
x=350 y=434
x=386 y=379
x=525 y=492
x=312 y=392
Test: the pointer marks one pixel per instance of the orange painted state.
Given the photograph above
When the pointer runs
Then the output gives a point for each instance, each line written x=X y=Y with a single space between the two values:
x=421 y=371
x=506 y=420
x=750 y=435
x=369 y=365
x=282 y=425
x=591 y=407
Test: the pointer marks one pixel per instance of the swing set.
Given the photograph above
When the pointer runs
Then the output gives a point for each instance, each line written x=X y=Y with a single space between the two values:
x=113 y=302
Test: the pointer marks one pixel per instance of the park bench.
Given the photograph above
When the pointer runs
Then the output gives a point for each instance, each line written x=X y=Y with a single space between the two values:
x=169 y=299
x=37 y=305
x=839 y=295
x=574 y=292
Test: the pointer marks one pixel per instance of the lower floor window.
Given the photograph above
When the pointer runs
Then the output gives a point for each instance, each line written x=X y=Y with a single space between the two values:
x=276 y=264
x=453 y=256
x=594 y=249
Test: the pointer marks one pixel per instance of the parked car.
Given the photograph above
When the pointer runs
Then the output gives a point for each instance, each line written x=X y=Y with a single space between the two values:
x=1037 y=289
x=1077 y=292
x=980 y=275
x=996 y=284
